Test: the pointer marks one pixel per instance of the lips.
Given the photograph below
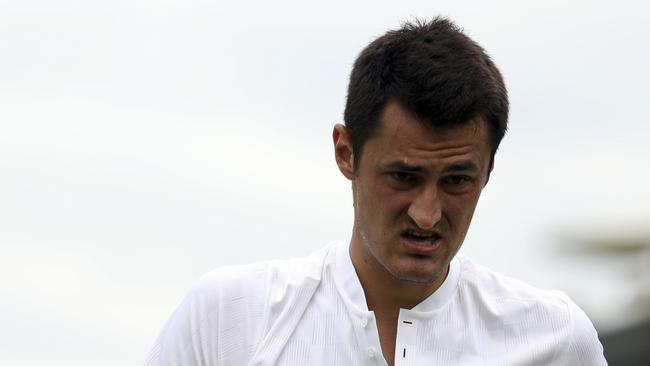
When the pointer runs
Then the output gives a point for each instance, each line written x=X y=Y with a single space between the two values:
x=421 y=243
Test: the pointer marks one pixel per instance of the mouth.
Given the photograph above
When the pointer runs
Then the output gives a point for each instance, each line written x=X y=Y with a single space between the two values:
x=421 y=242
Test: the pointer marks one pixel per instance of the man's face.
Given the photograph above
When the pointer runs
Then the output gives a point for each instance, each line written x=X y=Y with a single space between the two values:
x=415 y=191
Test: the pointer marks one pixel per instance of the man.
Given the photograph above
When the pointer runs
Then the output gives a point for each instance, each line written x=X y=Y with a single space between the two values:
x=425 y=113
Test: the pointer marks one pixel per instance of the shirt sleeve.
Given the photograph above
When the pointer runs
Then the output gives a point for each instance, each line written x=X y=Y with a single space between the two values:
x=178 y=343
x=585 y=347
x=219 y=321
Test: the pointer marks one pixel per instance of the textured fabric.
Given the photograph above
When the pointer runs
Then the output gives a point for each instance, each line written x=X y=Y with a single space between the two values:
x=312 y=311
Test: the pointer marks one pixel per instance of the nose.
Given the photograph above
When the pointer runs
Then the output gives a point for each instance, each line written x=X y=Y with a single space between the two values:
x=425 y=209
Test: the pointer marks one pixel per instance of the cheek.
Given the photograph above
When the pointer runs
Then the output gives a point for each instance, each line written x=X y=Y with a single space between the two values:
x=381 y=209
x=460 y=209
x=390 y=202
x=368 y=202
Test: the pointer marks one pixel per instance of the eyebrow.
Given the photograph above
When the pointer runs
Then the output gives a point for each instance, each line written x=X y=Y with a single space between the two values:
x=465 y=166
x=398 y=165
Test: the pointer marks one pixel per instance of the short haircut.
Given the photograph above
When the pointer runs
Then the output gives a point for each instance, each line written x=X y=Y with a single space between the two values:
x=434 y=71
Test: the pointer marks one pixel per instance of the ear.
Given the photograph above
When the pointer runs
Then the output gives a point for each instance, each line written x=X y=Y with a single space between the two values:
x=490 y=168
x=343 y=151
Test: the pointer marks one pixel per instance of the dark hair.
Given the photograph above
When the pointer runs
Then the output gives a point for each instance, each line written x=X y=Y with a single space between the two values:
x=434 y=71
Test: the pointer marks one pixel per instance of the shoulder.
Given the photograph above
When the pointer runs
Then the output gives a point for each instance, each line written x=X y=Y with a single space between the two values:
x=225 y=314
x=492 y=285
x=256 y=286
x=543 y=316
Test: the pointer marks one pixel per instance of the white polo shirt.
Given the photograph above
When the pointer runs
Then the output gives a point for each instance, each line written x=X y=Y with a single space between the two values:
x=312 y=311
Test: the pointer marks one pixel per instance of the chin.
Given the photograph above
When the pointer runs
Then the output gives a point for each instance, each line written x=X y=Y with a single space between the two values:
x=419 y=279
x=417 y=276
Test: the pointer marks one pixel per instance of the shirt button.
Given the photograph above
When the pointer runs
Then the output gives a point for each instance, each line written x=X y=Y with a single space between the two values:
x=364 y=322
x=372 y=352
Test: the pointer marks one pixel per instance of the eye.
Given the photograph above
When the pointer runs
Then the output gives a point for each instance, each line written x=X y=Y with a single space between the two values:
x=456 y=180
x=402 y=177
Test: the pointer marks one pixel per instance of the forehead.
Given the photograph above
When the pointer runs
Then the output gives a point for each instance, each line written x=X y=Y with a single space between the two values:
x=402 y=136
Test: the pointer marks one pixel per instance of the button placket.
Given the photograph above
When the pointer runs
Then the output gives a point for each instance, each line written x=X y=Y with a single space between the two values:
x=364 y=322
x=372 y=352
x=406 y=334
x=368 y=337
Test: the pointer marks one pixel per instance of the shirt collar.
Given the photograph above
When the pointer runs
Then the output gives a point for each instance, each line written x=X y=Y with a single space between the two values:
x=349 y=286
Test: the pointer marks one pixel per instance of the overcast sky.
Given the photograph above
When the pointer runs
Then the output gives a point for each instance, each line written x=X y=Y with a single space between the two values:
x=143 y=143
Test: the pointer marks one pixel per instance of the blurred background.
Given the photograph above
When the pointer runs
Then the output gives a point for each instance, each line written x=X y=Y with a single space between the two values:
x=143 y=143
